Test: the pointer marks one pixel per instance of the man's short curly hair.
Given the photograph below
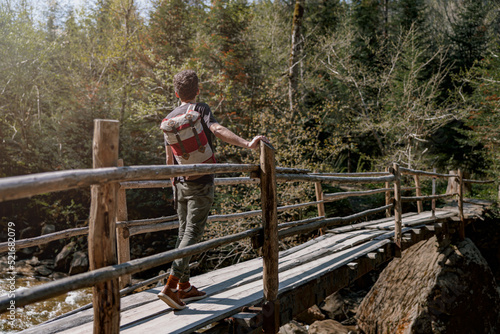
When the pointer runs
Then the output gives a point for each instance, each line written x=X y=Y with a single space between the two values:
x=186 y=84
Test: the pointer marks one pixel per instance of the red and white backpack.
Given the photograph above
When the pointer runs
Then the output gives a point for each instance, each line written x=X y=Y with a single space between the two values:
x=187 y=138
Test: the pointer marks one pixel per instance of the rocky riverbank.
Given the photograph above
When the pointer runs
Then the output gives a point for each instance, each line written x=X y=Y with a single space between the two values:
x=336 y=314
x=436 y=287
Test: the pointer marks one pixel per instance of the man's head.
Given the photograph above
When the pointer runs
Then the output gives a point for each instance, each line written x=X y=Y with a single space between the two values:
x=186 y=85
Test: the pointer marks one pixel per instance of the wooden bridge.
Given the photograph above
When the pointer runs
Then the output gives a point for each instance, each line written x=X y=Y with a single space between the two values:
x=251 y=296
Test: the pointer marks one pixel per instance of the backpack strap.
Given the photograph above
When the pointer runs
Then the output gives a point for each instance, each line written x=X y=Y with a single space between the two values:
x=185 y=154
x=191 y=107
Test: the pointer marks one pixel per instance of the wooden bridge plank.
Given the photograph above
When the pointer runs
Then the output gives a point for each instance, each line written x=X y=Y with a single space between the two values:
x=210 y=309
x=216 y=281
x=287 y=277
x=212 y=280
x=158 y=308
x=423 y=218
x=353 y=227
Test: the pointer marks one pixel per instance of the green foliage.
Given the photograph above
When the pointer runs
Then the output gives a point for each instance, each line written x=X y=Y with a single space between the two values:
x=171 y=29
x=411 y=14
x=63 y=215
x=370 y=26
x=469 y=35
x=483 y=122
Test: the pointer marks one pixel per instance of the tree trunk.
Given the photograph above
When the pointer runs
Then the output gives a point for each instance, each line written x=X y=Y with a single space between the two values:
x=293 y=71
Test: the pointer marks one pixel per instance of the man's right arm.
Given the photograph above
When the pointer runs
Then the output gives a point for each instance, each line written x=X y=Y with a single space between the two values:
x=228 y=136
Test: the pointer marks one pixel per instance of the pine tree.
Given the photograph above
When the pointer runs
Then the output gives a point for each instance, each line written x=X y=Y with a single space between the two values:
x=469 y=39
x=225 y=58
x=410 y=14
x=172 y=28
x=368 y=20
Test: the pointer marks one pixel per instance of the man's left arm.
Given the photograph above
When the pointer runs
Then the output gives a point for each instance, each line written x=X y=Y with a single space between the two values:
x=230 y=137
x=170 y=159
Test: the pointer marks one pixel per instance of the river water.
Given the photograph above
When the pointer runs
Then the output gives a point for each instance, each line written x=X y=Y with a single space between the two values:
x=34 y=314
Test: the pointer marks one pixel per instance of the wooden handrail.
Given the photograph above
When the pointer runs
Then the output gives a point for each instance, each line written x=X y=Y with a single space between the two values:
x=425 y=198
x=287 y=170
x=336 y=179
x=329 y=222
x=364 y=174
x=478 y=181
x=342 y=195
x=17 y=187
x=46 y=238
x=140 y=222
x=423 y=173
x=166 y=183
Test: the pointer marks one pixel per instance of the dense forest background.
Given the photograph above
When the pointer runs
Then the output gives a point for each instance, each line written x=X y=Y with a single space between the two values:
x=336 y=85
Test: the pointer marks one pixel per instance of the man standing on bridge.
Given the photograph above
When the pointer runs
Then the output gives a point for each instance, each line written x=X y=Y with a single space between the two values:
x=188 y=131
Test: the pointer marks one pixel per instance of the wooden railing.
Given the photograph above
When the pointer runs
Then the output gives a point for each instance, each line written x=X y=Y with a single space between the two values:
x=109 y=228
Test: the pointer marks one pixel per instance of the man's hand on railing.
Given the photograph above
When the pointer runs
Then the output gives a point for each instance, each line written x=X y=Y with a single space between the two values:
x=254 y=144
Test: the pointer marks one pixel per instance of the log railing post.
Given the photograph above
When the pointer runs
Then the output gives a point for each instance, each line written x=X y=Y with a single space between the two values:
x=461 y=229
x=321 y=205
x=397 y=209
x=420 y=206
x=122 y=232
x=102 y=232
x=387 y=197
x=270 y=308
x=434 y=193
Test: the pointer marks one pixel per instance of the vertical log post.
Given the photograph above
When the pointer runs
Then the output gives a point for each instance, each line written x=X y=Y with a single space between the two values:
x=461 y=229
x=122 y=233
x=387 y=197
x=434 y=193
x=270 y=308
x=102 y=232
x=321 y=205
x=420 y=206
x=397 y=210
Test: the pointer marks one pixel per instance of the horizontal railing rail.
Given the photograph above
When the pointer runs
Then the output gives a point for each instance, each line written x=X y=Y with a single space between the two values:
x=426 y=198
x=333 y=179
x=424 y=173
x=478 y=181
x=18 y=187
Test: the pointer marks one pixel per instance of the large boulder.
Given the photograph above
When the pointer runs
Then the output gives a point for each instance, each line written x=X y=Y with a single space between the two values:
x=79 y=264
x=63 y=259
x=334 y=307
x=433 y=289
x=343 y=304
x=293 y=327
x=310 y=315
x=329 y=327
x=46 y=251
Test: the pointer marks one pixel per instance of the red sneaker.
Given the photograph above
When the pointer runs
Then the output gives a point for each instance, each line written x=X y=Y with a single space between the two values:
x=191 y=294
x=171 y=298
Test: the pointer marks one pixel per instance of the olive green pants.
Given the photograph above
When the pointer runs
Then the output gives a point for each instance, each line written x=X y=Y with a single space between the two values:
x=194 y=202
